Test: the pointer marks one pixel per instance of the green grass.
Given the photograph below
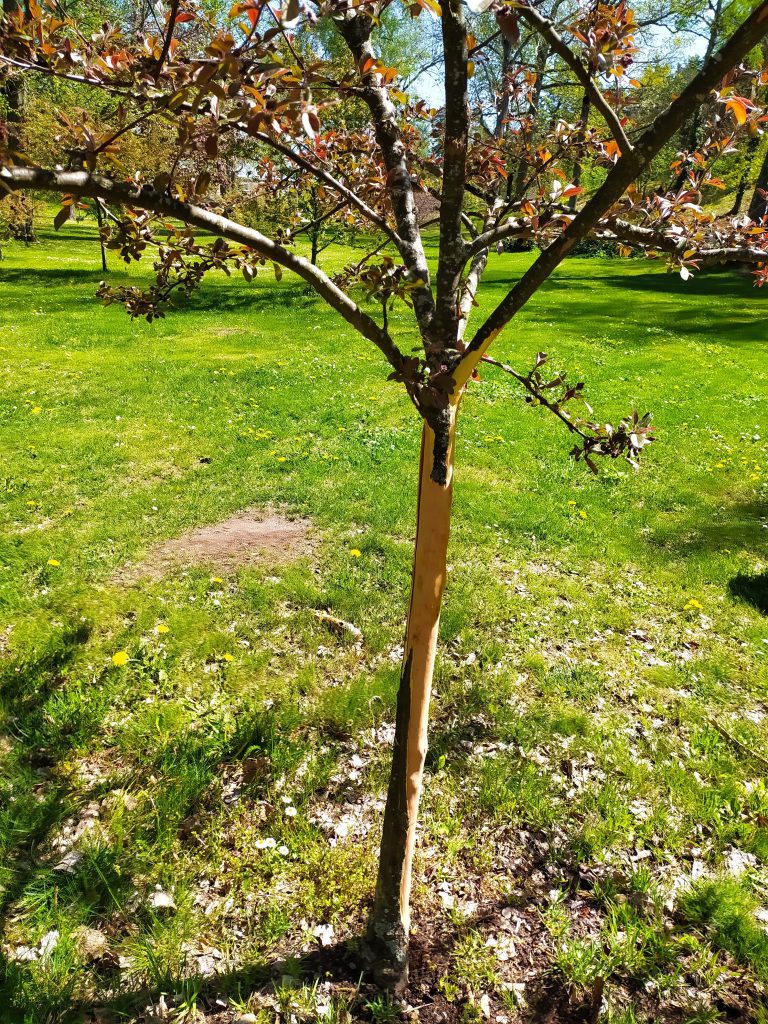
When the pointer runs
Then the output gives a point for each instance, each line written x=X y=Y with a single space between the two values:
x=612 y=622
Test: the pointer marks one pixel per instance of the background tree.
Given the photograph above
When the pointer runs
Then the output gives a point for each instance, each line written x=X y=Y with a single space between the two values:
x=210 y=78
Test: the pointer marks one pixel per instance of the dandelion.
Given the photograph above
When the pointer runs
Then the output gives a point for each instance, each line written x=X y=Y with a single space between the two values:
x=162 y=628
x=693 y=605
x=571 y=502
x=36 y=410
x=582 y=514
x=355 y=553
x=227 y=657
x=216 y=579
x=54 y=562
x=120 y=658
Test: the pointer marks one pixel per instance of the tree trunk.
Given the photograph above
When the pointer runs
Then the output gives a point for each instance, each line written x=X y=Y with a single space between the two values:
x=758 y=207
x=741 y=188
x=389 y=923
x=100 y=222
x=577 y=163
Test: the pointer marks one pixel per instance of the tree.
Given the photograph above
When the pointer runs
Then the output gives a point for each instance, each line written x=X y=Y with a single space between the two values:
x=758 y=207
x=212 y=79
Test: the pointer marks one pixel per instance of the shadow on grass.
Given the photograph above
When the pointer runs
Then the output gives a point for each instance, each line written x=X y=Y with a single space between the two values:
x=738 y=525
x=752 y=589
x=341 y=963
x=708 y=284
x=213 y=296
x=33 y=814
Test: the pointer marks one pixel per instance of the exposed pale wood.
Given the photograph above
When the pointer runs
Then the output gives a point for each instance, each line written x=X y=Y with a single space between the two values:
x=390 y=920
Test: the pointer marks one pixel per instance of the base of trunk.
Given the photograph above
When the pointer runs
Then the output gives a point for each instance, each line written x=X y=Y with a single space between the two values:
x=386 y=952
x=389 y=924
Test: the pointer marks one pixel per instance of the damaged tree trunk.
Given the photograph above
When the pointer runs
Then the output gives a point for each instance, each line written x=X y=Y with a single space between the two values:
x=389 y=924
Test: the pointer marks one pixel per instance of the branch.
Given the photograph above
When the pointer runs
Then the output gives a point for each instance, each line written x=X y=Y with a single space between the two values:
x=335 y=184
x=547 y=29
x=707 y=256
x=627 y=440
x=168 y=37
x=356 y=32
x=96 y=83
x=623 y=173
x=310 y=224
x=510 y=229
x=455 y=136
x=127 y=194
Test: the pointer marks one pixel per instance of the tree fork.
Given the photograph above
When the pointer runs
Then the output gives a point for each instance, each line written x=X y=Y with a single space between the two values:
x=389 y=924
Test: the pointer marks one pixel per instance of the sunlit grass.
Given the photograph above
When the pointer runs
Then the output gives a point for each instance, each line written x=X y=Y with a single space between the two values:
x=596 y=630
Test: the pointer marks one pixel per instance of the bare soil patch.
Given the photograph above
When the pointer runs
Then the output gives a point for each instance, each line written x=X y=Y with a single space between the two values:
x=248 y=537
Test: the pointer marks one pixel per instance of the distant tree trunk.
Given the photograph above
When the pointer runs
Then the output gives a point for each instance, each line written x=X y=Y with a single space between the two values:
x=516 y=184
x=577 y=163
x=389 y=923
x=24 y=229
x=741 y=189
x=12 y=92
x=100 y=221
x=758 y=206
x=693 y=135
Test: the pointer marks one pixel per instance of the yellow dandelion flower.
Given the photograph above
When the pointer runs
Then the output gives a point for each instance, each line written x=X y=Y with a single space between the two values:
x=693 y=605
x=36 y=410
x=162 y=628
x=54 y=562
x=571 y=502
x=120 y=658
x=355 y=553
x=582 y=514
x=216 y=579
x=227 y=657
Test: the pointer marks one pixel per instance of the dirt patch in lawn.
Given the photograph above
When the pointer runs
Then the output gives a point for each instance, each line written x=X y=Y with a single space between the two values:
x=248 y=537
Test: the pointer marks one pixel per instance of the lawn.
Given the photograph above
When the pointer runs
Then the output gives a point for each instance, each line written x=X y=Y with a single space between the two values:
x=196 y=827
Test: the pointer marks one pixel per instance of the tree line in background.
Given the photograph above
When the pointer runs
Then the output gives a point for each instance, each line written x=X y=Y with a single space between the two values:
x=257 y=194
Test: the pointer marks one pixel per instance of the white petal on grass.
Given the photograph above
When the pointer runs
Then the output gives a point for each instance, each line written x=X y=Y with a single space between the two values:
x=324 y=934
x=160 y=900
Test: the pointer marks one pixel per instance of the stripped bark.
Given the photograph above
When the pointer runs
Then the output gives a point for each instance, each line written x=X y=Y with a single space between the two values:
x=390 y=919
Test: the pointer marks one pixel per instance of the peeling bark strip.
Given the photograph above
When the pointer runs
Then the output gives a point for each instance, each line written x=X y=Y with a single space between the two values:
x=390 y=919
